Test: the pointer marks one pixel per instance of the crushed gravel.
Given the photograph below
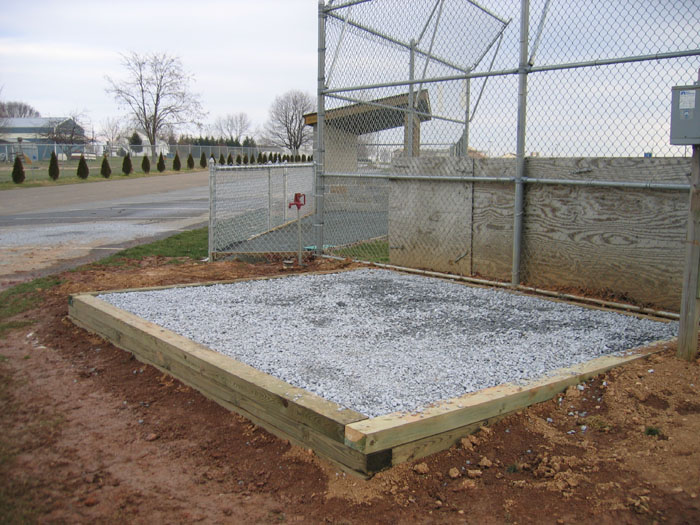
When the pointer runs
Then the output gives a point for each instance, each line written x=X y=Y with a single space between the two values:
x=379 y=341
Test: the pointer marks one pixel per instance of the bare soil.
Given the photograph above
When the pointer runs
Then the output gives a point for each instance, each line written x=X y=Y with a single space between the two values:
x=90 y=435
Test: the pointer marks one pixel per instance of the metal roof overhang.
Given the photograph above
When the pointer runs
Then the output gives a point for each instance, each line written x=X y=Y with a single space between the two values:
x=377 y=115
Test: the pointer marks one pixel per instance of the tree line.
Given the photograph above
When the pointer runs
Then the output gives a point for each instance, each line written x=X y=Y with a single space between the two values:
x=83 y=170
x=185 y=140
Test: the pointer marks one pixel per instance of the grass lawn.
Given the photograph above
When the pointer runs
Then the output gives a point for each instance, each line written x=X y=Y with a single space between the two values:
x=373 y=251
x=192 y=244
x=21 y=298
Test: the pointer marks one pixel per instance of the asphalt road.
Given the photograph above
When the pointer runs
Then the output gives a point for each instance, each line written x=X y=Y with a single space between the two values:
x=46 y=229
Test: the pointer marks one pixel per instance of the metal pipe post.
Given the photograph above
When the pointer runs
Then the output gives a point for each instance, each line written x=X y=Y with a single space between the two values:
x=269 y=199
x=299 y=234
x=320 y=153
x=212 y=208
x=284 y=191
x=408 y=131
x=520 y=145
x=464 y=149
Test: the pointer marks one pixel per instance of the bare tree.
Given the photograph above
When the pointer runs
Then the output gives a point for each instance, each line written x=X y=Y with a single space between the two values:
x=14 y=109
x=168 y=134
x=232 y=126
x=285 y=126
x=111 y=130
x=156 y=92
x=68 y=132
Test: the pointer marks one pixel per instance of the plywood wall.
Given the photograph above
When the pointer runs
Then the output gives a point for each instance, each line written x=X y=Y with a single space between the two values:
x=626 y=243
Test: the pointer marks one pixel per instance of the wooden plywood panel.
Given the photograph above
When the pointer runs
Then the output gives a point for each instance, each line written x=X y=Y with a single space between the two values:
x=621 y=240
x=429 y=225
x=630 y=242
x=625 y=169
x=493 y=230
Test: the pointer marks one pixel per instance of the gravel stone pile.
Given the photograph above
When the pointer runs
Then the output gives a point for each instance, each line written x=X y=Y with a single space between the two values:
x=378 y=341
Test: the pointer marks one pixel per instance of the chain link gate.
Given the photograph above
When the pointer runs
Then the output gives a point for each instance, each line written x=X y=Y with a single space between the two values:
x=250 y=213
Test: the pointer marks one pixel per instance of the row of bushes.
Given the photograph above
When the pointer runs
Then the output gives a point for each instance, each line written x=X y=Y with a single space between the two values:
x=127 y=166
x=262 y=158
x=83 y=171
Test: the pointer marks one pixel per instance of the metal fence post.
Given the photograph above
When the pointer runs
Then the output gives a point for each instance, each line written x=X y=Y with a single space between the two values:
x=464 y=150
x=284 y=190
x=319 y=154
x=269 y=199
x=408 y=133
x=212 y=207
x=520 y=145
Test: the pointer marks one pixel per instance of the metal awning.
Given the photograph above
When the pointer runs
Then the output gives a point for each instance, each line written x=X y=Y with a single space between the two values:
x=376 y=115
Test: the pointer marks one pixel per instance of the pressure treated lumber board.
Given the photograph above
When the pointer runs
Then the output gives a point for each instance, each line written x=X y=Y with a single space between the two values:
x=435 y=443
x=271 y=397
x=393 y=430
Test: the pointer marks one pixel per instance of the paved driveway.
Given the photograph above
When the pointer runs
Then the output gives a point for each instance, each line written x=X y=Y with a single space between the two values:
x=45 y=229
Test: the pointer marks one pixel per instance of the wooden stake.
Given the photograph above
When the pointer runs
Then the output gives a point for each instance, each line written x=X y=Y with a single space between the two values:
x=688 y=330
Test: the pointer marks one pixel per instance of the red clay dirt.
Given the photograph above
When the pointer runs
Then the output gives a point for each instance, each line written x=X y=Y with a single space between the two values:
x=92 y=435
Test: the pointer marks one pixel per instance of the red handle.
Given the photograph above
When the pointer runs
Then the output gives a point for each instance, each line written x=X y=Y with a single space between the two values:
x=299 y=200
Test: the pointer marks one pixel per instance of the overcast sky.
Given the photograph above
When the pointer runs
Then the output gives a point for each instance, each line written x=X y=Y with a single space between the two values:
x=54 y=55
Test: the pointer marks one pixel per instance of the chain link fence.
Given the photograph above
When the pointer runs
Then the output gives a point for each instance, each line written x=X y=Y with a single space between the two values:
x=38 y=151
x=520 y=141
x=523 y=141
x=250 y=212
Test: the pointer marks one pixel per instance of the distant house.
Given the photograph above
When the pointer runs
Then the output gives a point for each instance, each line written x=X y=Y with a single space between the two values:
x=143 y=149
x=41 y=130
x=37 y=137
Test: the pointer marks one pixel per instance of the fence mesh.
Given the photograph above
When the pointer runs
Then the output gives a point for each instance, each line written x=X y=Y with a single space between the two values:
x=250 y=212
x=451 y=140
x=583 y=109
x=423 y=105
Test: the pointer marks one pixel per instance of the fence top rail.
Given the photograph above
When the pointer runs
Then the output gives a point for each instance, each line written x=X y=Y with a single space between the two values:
x=526 y=180
x=515 y=71
x=219 y=167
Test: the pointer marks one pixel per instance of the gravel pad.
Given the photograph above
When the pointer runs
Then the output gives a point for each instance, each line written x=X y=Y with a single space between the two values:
x=378 y=341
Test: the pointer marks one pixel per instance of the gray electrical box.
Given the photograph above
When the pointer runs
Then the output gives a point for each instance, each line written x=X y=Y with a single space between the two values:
x=685 y=115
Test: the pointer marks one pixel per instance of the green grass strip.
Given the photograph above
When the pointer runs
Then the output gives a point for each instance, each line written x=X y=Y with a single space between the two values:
x=39 y=176
x=24 y=296
x=192 y=244
x=373 y=251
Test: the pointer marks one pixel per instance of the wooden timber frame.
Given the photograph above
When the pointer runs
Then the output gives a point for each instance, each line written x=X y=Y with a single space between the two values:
x=350 y=440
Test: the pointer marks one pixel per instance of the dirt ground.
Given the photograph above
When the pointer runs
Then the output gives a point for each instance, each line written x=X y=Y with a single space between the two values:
x=90 y=435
